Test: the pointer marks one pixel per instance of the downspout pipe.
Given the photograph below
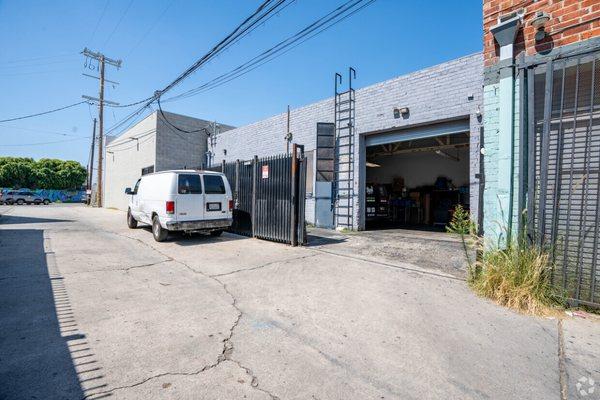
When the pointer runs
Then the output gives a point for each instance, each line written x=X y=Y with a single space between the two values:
x=505 y=33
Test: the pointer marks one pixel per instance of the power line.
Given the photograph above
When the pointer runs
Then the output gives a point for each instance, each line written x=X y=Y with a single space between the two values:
x=249 y=24
x=40 y=131
x=317 y=27
x=43 y=143
x=43 y=112
x=118 y=23
x=175 y=127
x=39 y=58
x=99 y=20
x=150 y=28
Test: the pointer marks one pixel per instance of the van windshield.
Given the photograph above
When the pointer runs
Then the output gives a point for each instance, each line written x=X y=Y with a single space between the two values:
x=213 y=184
x=189 y=184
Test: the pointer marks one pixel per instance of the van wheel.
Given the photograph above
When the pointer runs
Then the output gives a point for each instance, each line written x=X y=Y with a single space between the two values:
x=159 y=233
x=131 y=222
x=46 y=202
x=216 y=233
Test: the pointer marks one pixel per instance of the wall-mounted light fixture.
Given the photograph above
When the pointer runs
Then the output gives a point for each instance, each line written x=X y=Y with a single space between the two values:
x=224 y=152
x=539 y=22
x=401 y=111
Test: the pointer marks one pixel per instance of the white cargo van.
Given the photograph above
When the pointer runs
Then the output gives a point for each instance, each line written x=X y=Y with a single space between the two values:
x=181 y=200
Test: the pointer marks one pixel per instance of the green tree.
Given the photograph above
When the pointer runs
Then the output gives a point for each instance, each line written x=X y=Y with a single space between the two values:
x=17 y=173
x=46 y=173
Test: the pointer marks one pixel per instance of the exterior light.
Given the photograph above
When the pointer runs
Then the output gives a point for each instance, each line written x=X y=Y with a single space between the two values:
x=539 y=22
x=401 y=111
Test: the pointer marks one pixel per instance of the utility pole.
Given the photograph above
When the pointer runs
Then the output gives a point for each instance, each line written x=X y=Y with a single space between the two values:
x=102 y=61
x=91 y=171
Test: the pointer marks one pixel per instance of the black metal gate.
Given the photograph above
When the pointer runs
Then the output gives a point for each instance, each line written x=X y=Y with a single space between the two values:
x=269 y=195
x=562 y=152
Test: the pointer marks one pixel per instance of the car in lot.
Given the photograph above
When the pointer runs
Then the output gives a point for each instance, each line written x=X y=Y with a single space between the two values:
x=23 y=197
x=181 y=200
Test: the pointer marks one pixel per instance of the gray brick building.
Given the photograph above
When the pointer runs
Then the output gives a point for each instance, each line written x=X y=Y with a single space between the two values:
x=413 y=128
x=152 y=145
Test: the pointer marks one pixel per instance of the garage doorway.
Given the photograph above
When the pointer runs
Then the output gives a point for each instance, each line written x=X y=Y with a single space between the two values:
x=415 y=178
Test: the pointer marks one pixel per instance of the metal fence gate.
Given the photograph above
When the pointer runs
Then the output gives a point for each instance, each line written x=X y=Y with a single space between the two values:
x=269 y=195
x=562 y=153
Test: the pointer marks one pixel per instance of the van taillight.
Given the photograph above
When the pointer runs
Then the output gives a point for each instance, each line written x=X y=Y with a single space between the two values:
x=230 y=205
x=170 y=207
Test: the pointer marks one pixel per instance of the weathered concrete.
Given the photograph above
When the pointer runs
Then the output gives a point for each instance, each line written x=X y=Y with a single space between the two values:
x=92 y=309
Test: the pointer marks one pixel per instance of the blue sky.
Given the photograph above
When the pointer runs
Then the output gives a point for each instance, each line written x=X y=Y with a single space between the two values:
x=41 y=68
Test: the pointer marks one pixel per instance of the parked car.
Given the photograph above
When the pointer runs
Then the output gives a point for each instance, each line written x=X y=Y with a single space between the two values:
x=23 y=197
x=181 y=200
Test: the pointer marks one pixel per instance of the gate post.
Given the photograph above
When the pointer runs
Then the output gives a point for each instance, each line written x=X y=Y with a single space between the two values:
x=223 y=166
x=294 y=196
x=254 y=175
x=237 y=183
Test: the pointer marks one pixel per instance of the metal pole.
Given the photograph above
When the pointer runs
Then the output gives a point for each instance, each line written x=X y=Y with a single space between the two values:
x=294 y=217
x=254 y=177
x=101 y=134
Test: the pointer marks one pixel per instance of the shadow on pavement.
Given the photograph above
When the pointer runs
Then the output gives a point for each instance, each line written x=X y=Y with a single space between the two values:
x=15 y=219
x=40 y=345
x=193 y=239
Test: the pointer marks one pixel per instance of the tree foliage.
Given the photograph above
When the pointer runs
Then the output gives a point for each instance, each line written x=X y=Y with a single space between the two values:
x=46 y=173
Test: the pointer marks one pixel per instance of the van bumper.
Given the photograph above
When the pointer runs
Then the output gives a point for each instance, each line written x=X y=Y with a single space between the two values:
x=201 y=225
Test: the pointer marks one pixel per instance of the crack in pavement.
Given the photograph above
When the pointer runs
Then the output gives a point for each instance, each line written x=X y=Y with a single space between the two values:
x=263 y=265
x=126 y=269
x=563 y=376
x=227 y=342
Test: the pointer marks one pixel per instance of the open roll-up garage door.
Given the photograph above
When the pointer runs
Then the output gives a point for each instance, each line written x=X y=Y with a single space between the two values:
x=416 y=177
x=421 y=132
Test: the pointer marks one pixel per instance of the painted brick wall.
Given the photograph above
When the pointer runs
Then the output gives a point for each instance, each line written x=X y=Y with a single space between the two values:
x=176 y=149
x=157 y=144
x=445 y=91
x=125 y=158
x=571 y=21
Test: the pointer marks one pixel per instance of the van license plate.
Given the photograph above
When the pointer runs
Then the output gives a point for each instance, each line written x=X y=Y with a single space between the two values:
x=213 y=206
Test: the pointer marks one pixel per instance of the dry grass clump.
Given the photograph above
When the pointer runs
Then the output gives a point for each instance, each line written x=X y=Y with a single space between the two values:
x=516 y=274
x=517 y=277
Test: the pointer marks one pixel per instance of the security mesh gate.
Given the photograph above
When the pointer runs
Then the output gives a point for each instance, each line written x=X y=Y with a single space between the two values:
x=563 y=163
x=269 y=195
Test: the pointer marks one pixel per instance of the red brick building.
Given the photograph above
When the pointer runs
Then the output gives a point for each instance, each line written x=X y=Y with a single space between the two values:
x=570 y=21
x=540 y=156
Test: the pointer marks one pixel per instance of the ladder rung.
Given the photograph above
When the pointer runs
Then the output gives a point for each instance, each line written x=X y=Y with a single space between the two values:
x=344 y=110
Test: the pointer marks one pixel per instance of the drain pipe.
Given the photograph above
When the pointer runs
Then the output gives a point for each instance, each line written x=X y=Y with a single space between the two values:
x=505 y=33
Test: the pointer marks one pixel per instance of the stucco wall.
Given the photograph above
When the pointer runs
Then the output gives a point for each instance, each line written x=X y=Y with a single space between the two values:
x=124 y=161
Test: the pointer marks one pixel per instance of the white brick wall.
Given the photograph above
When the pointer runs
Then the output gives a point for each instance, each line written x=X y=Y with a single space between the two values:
x=446 y=91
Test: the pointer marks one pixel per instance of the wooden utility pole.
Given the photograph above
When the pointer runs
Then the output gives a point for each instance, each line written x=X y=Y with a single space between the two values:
x=91 y=170
x=102 y=61
x=100 y=133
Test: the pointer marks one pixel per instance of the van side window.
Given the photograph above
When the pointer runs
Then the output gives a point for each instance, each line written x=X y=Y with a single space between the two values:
x=213 y=184
x=137 y=186
x=189 y=184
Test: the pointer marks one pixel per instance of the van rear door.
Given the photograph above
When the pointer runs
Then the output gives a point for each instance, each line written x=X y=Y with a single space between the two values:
x=215 y=197
x=189 y=200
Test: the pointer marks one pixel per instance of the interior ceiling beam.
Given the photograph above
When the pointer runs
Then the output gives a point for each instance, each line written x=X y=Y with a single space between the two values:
x=420 y=150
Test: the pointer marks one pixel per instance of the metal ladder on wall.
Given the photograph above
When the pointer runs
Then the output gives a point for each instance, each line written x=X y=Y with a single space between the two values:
x=344 y=114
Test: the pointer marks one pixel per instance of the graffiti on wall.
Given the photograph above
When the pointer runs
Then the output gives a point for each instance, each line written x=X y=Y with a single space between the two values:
x=63 y=196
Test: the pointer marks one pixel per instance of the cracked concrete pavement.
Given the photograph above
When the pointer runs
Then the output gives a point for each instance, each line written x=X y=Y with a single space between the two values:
x=91 y=309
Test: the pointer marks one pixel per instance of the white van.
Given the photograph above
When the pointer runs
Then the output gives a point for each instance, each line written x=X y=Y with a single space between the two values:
x=181 y=200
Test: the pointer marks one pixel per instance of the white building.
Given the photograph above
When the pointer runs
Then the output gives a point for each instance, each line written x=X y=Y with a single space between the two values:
x=152 y=145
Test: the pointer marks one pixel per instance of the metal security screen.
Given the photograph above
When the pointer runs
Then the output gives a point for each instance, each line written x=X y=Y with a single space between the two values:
x=564 y=170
